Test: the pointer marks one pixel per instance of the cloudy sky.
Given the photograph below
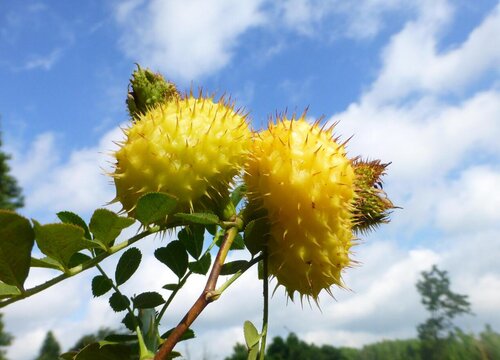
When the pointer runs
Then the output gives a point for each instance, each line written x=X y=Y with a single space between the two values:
x=417 y=82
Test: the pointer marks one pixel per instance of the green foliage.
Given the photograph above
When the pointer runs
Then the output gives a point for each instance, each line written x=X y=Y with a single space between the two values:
x=201 y=266
x=101 y=284
x=175 y=256
x=106 y=226
x=459 y=346
x=154 y=207
x=16 y=243
x=443 y=305
x=5 y=339
x=50 y=349
x=88 y=339
x=199 y=218
x=61 y=241
x=127 y=265
x=147 y=300
x=192 y=237
x=10 y=192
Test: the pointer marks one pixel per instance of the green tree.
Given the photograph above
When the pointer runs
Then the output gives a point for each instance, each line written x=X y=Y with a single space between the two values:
x=10 y=193
x=92 y=338
x=50 y=349
x=444 y=305
x=5 y=339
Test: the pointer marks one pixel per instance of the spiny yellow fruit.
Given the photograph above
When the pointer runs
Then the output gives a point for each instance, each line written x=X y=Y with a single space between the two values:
x=190 y=148
x=301 y=176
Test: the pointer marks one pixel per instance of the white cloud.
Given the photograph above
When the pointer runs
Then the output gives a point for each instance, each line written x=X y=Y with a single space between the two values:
x=52 y=184
x=43 y=62
x=186 y=39
x=414 y=63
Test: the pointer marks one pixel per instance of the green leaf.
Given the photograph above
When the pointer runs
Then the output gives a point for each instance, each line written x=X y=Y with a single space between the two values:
x=16 y=242
x=101 y=285
x=188 y=334
x=201 y=266
x=106 y=225
x=170 y=287
x=233 y=267
x=8 y=290
x=78 y=259
x=68 y=217
x=70 y=355
x=118 y=302
x=61 y=241
x=155 y=206
x=238 y=243
x=175 y=256
x=252 y=336
x=192 y=237
x=127 y=265
x=47 y=263
x=174 y=355
x=199 y=218
x=147 y=300
x=238 y=194
x=128 y=321
x=120 y=338
x=95 y=351
x=254 y=352
x=256 y=233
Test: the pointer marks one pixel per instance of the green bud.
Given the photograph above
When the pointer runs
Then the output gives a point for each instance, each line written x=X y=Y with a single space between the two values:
x=146 y=89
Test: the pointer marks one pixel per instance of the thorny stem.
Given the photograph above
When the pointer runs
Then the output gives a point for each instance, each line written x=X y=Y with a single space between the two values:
x=205 y=298
x=180 y=285
x=79 y=268
x=265 y=316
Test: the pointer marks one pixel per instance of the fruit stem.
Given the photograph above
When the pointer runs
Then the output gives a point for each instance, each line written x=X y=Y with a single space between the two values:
x=265 y=315
x=205 y=298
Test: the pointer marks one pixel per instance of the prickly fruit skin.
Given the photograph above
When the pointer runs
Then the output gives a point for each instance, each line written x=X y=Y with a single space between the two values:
x=190 y=148
x=301 y=176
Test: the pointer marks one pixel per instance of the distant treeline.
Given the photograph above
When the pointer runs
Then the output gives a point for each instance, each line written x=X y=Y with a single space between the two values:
x=458 y=346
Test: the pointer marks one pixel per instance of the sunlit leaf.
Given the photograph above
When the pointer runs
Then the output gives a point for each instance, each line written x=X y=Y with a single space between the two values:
x=106 y=225
x=8 y=290
x=154 y=207
x=199 y=218
x=68 y=217
x=61 y=241
x=252 y=336
x=16 y=242
x=46 y=262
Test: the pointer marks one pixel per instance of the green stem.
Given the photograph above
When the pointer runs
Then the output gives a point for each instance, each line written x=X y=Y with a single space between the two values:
x=265 y=316
x=236 y=275
x=79 y=268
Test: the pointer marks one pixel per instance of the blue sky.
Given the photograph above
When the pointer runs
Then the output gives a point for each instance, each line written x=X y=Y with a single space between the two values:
x=416 y=82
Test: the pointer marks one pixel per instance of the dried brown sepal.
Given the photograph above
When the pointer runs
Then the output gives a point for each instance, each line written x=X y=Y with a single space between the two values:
x=371 y=206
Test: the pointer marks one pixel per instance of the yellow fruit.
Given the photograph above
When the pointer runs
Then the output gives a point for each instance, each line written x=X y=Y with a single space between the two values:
x=301 y=176
x=190 y=148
